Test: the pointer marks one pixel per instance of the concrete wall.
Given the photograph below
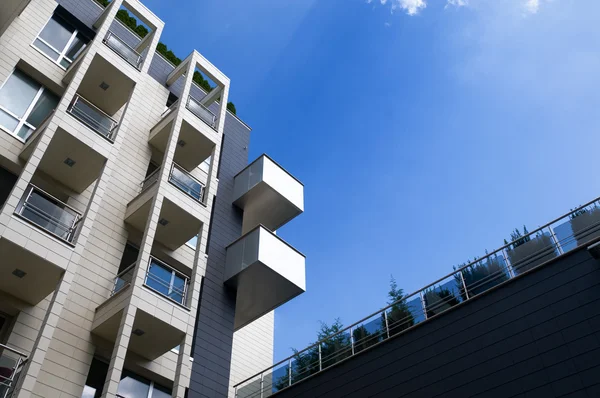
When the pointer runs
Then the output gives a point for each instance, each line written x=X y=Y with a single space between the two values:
x=536 y=336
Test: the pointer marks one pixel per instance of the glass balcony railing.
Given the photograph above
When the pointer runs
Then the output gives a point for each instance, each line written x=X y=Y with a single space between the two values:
x=49 y=213
x=186 y=182
x=150 y=179
x=11 y=363
x=578 y=228
x=124 y=50
x=123 y=279
x=201 y=111
x=167 y=281
x=92 y=117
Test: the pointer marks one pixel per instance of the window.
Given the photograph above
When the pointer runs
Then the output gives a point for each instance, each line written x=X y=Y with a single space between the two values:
x=166 y=281
x=24 y=104
x=60 y=41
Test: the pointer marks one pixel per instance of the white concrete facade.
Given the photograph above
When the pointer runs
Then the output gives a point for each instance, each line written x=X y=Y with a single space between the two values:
x=80 y=316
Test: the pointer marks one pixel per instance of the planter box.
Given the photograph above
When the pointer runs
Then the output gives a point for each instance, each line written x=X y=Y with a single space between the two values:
x=586 y=226
x=531 y=254
x=483 y=276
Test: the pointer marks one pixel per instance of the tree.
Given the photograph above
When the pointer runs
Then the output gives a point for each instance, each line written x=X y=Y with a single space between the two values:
x=438 y=300
x=231 y=108
x=305 y=363
x=399 y=315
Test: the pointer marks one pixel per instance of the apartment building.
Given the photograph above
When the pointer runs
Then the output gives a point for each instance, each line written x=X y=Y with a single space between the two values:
x=138 y=249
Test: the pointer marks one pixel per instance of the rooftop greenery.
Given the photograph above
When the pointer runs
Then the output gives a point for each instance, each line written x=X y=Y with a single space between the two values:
x=132 y=23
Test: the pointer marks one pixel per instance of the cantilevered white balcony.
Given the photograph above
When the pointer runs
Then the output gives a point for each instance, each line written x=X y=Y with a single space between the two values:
x=268 y=194
x=265 y=271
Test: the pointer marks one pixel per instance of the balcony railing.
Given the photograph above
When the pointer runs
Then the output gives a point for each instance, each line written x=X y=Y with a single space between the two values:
x=150 y=180
x=123 y=279
x=167 y=281
x=201 y=111
x=124 y=50
x=93 y=117
x=11 y=363
x=49 y=213
x=575 y=229
x=186 y=182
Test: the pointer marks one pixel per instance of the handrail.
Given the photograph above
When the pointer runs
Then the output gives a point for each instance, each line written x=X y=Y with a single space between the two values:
x=116 y=288
x=177 y=182
x=213 y=122
x=186 y=281
x=150 y=176
x=55 y=198
x=170 y=267
x=506 y=273
x=138 y=61
x=93 y=124
x=169 y=109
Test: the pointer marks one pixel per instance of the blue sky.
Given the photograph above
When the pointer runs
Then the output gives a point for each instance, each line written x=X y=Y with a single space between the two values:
x=424 y=131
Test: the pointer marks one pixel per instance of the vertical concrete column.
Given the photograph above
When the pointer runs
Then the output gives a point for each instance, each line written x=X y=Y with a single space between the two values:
x=126 y=327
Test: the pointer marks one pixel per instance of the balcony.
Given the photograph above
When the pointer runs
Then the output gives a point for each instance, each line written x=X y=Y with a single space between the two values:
x=176 y=224
x=268 y=194
x=11 y=362
x=202 y=112
x=186 y=182
x=265 y=271
x=157 y=328
x=50 y=214
x=123 y=50
x=196 y=142
x=93 y=117
x=68 y=160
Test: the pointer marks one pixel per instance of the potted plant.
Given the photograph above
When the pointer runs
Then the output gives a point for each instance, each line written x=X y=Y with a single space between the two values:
x=438 y=300
x=481 y=276
x=527 y=252
x=585 y=224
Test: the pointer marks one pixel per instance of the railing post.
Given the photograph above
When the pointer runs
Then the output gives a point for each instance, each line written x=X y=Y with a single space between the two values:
x=352 y=341
x=423 y=304
x=387 y=325
x=556 y=243
x=462 y=278
x=262 y=385
x=320 y=362
x=290 y=372
x=511 y=271
x=235 y=393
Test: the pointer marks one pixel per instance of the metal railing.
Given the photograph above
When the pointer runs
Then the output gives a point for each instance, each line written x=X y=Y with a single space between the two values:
x=123 y=279
x=124 y=50
x=201 y=111
x=150 y=180
x=167 y=281
x=570 y=231
x=186 y=182
x=49 y=213
x=92 y=116
x=11 y=363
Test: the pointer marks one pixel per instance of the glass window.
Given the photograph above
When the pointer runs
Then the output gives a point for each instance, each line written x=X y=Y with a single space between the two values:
x=60 y=41
x=133 y=386
x=166 y=281
x=24 y=104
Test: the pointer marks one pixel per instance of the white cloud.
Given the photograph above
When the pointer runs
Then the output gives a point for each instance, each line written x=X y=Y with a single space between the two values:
x=532 y=6
x=457 y=3
x=412 y=7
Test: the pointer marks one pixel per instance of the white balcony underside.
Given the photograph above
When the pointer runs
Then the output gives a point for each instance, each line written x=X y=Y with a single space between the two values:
x=265 y=271
x=268 y=195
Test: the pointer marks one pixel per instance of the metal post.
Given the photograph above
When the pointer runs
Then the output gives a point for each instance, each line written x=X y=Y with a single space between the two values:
x=352 y=341
x=423 y=304
x=320 y=361
x=262 y=385
x=558 y=246
x=462 y=278
x=236 y=394
x=387 y=326
x=511 y=271
x=290 y=372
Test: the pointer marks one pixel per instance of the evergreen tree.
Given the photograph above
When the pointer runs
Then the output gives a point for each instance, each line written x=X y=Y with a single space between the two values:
x=399 y=315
